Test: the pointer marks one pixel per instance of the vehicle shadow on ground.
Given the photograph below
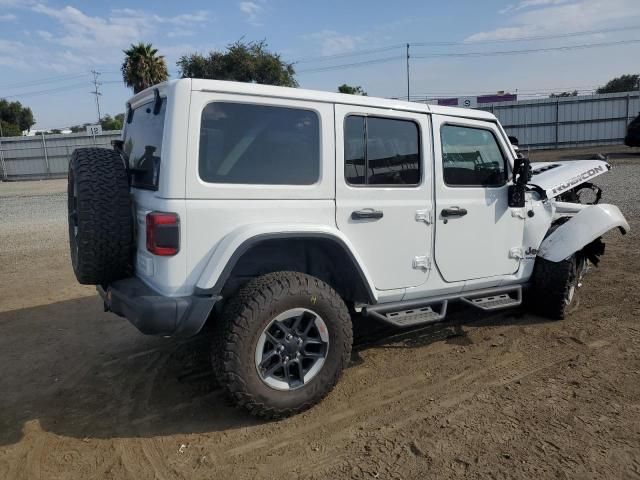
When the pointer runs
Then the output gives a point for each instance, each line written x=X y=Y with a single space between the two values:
x=82 y=373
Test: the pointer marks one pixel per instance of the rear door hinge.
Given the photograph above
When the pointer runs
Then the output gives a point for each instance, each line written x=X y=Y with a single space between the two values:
x=424 y=216
x=422 y=262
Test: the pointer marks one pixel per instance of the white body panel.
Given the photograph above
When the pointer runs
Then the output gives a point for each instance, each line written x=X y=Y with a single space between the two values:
x=589 y=224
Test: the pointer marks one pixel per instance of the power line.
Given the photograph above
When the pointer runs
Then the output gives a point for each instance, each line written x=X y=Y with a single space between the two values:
x=471 y=54
x=529 y=50
x=324 y=58
x=48 y=91
x=349 y=54
x=354 y=64
x=42 y=81
x=527 y=38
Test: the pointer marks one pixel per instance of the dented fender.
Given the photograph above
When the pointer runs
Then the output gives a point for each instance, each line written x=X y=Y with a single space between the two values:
x=589 y=224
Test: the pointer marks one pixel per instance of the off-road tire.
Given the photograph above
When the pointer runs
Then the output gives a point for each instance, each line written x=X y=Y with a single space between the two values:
x=237 y=332
x=554 y=287
x=100 y=216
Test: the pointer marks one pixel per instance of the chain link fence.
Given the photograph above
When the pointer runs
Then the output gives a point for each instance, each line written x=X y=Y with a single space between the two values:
x=45 y=156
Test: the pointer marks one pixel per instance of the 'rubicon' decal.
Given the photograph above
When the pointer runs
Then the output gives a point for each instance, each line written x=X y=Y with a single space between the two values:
x=578 y=179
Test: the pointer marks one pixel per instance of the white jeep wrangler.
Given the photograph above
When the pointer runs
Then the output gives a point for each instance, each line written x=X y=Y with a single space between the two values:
x=277 y=213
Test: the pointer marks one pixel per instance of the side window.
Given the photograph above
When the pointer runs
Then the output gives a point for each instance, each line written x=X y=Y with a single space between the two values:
x=381 y=151
x=259 y=144
x=471 y=157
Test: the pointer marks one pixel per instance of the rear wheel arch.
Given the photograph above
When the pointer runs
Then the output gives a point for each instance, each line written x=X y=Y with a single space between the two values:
x=321 y=255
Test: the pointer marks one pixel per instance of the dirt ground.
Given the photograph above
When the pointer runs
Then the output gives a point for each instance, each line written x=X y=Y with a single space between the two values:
x=509 y=395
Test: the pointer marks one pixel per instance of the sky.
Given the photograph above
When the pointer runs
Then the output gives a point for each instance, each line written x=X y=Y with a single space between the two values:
x=49 y=47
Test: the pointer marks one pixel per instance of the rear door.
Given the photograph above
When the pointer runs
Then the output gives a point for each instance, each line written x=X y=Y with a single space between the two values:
x=383 y=191
x=475 y=228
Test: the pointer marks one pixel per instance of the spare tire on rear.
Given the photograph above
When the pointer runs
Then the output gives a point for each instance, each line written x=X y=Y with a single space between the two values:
x=100 y=216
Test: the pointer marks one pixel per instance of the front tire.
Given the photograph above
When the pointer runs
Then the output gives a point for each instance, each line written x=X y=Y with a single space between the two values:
x=282 y=344
x=555 y=286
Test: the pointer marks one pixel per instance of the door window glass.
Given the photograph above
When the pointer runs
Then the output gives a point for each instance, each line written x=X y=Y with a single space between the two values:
x=471 y=157
x=381 y=151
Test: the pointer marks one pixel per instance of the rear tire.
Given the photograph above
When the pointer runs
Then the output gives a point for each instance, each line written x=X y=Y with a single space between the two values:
x=100 y=216
x=255 y=325
x=555 y=286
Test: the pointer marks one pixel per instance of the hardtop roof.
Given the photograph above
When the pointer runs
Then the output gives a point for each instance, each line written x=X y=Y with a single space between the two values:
x=242 y=88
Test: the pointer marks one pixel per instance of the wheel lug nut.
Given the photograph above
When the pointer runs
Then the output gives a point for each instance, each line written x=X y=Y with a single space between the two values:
x=289 y=337
x=286 y=359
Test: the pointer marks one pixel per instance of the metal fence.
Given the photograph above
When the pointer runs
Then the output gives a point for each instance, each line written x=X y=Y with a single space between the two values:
x=45 y=156
x=545 y=123
x=566 y=122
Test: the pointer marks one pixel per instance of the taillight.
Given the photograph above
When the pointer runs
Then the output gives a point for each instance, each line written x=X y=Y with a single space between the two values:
x=163 y=233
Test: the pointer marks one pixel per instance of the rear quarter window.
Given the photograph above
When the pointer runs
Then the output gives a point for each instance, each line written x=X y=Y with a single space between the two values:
x=259 y=144
x=143 y=144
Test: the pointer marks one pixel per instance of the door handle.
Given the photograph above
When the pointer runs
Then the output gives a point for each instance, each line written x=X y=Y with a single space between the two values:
x=367 y=213
x=453 y=212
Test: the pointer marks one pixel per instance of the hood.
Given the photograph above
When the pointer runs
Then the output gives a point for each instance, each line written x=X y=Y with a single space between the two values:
x=556 y=178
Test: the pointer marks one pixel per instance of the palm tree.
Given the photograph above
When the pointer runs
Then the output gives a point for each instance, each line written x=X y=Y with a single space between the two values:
x=142 y=67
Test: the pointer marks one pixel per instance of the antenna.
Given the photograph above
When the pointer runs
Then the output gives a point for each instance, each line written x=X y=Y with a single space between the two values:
x=95 y=92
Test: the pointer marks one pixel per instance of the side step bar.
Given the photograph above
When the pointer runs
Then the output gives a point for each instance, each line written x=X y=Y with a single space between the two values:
x=408 y=313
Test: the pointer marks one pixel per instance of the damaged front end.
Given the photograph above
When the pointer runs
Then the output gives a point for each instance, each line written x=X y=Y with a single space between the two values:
x=569 y=181
x=579 y=220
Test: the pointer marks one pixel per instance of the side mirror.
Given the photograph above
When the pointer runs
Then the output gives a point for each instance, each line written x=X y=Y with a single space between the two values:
x=521 y=176
x=521 y=170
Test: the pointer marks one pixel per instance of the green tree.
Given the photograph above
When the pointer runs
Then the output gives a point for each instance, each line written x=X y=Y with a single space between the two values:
x=112 y=123
x=9 y=129
x=564 y=94
x=15 y=118
x=623 y=83
x=242 y=62
x=143 y=67
x=79 y=128
x=355 y=90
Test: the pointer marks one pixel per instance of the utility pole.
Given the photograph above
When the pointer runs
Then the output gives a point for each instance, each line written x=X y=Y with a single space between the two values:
x=96 y=84
x=407 y=72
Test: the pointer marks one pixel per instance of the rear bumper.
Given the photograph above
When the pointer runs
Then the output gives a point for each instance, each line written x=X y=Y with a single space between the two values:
x=153 y=313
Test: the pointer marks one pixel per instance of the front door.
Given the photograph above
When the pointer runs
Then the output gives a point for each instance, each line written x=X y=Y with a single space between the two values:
x=383 y=191
x=475 y=228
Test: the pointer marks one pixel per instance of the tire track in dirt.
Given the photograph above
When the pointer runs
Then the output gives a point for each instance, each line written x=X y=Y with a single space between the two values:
x=450 y=392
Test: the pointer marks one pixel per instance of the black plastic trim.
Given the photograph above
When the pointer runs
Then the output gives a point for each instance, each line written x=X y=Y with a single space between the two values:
x=153 y=313
x=247 y=244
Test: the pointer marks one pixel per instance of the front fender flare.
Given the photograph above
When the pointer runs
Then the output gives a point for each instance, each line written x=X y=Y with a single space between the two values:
x=235 y=244
x=590 y=223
